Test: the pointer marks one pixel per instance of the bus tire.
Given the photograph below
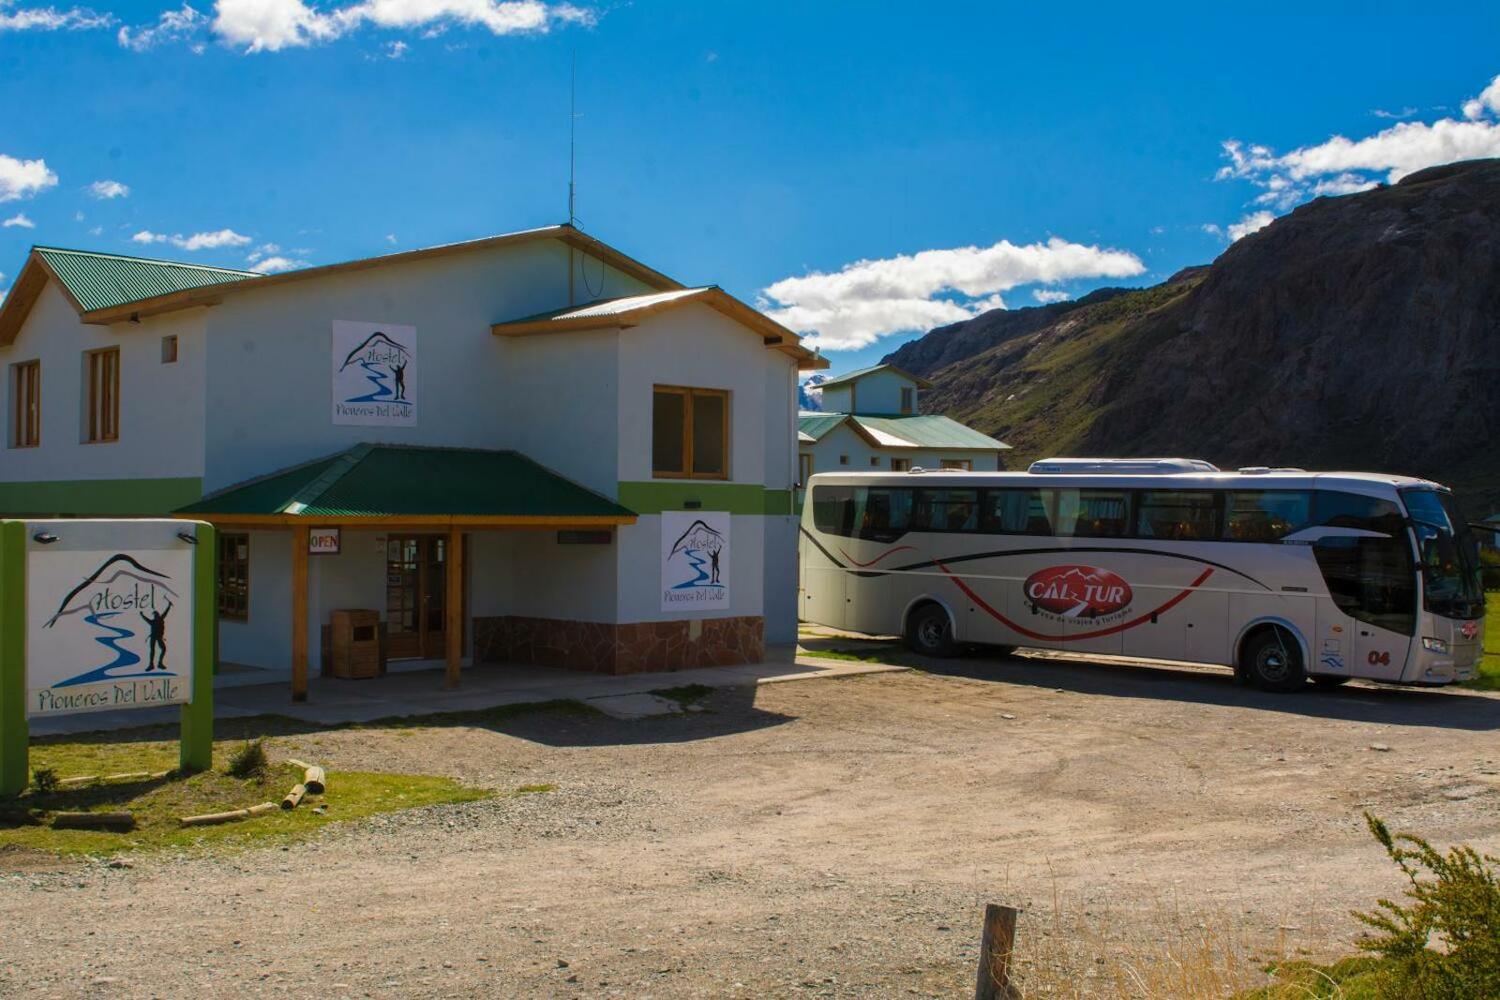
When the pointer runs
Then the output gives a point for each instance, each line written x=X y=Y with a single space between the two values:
x=1329 y=680
x=1272 y=661
x=930 y=632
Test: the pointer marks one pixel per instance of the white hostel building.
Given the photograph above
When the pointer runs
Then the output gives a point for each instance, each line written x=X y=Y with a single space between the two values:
x=529 y=448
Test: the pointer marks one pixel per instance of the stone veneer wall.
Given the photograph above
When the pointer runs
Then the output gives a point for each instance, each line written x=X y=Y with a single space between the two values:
x=631 y=648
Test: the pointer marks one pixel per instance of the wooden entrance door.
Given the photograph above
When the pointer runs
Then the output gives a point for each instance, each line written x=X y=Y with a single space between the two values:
x=415 y=596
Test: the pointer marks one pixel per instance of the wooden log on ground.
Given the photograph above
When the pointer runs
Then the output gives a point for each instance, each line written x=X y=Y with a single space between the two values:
x=293 y=797
x=995 y=947
x=232 y=816
x=302 y=764
x=315 y=780
x=89 y=779
x=85 y=779
x=93 y=821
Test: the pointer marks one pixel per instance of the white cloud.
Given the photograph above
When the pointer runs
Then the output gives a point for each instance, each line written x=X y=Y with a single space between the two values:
x=20 y=219
x=264 y=250
x=390 y=238
x=51 y=18
x=1398 y=115
x=171 y=26
x=1249 y=224
x=1047 y=296
x=1342 y=165
x=272 y=265
x=272 y=25
x=97 y=231
x=23 y=178
x=105 y=190
x=197 y=241
x=870 y=299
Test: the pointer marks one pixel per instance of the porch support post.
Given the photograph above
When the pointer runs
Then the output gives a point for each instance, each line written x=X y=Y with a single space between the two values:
x=453 y=598
x=299 y=613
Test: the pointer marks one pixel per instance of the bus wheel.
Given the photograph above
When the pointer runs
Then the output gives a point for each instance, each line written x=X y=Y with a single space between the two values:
x=1272 y=661
x=1329 y=680
x=930 y=633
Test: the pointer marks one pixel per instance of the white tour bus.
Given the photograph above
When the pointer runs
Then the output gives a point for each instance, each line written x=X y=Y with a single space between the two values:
x=1282 y=574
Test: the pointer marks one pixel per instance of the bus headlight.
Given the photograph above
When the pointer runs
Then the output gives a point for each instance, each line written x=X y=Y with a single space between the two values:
x=1435 y=645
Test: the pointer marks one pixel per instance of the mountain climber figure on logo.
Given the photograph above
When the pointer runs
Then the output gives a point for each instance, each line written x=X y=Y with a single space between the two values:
x=399 y=370
x=156 y=642
x=713 y=556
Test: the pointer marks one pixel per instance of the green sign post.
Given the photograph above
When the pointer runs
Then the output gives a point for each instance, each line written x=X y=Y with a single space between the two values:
x=69 y=589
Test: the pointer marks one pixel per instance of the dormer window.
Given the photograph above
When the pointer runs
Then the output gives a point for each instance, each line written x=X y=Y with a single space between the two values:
x=908 y=399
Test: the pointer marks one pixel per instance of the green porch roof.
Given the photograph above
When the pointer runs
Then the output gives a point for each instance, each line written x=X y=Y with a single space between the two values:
x=915 y=431
x=102 y=280
x=381 y=480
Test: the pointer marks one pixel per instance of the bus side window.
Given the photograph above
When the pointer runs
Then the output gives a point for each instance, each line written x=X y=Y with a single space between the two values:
x=883 y=513
x=833 y=509
x=1102 y=514
x=1179 y=515
x=1265 y=515
x=946 y=510
x=1013 y=512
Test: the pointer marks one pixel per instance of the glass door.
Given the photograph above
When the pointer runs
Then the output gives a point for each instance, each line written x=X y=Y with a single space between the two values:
x=403 y=596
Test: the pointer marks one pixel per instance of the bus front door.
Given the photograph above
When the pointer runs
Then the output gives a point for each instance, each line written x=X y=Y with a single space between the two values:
x=823 y=593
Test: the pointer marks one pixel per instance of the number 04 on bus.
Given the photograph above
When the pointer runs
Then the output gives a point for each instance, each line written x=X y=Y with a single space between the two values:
x=1284 y=575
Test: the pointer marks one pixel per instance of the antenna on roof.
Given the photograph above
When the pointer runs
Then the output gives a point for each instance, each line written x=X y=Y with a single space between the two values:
x=572 y=128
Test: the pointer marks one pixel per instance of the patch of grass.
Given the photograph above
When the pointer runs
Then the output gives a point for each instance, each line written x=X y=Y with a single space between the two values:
x=480 y=718
x=870 y=654
x=1489 y=667
x=158 y=804
x=686 y=694
x=249 y=761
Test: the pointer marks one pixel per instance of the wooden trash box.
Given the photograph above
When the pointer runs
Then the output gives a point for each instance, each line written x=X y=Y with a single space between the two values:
x=354 y=644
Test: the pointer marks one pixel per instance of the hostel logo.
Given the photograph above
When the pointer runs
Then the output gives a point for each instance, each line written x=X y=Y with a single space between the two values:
x=123 y=607
x=1077 y=593
x=374 y=374
x=695 y=560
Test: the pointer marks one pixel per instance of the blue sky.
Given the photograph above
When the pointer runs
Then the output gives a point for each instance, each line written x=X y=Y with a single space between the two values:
x=977 y=154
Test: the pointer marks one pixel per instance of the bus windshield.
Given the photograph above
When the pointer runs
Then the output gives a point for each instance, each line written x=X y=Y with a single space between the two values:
x=1448 y=552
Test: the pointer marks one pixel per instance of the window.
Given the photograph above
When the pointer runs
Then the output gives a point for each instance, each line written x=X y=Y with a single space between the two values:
x=874 y=461
x=689 y=433
x=843 y=459
x=1371 y=574
x=882 y=513
x=1180 y=515
x=1088 y=513
x=833 y=509
x=169 y=349
x=962 y=464
x=900 y=465
x=908 y=400
x=946 y=510
x=1265 y=515
x=234 y=577
x=102 y=417
x=26 y=404
x=1014 y=512
x=804 y=468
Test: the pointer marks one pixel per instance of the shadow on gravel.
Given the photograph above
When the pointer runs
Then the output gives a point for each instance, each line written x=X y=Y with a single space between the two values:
x=708 y=714
x=1442 y=708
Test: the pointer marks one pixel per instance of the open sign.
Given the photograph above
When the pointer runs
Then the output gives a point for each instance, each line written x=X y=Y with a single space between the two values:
x=323 y=541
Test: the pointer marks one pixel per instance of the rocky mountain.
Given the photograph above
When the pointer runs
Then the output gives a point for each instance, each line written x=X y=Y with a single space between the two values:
x=1358 y=332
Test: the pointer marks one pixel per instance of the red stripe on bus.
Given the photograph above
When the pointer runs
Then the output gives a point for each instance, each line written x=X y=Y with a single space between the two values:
x=872 y=562
x=1079 y=635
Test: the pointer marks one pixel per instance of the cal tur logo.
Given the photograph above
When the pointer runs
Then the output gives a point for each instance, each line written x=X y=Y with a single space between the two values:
x=1077 y=592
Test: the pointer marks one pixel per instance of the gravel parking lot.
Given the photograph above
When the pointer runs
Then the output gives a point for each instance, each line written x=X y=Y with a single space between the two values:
x=819 y=838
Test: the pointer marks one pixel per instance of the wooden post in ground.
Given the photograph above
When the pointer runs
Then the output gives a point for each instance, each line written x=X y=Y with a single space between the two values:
x=995 y=947
x=453 y=608
x=299 y=613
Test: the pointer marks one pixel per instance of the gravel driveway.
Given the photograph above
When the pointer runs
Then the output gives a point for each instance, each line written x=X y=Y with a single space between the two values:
x=819 y=838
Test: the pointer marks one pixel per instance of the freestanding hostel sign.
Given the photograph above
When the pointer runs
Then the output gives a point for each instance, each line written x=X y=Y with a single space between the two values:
x=102 y=616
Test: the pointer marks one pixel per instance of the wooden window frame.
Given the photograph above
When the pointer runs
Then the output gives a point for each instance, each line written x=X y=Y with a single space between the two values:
x=956 y=464
x=903 y=466
x=225 y=540
x=688 y=393
x=908 y=400
x=26 y=404
x=102 y=416
x=169 y=349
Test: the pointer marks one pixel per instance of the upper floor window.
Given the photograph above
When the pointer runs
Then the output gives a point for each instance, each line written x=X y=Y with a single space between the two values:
x=908 y=400
x=26 y=404
x=169 y=349
x=689 y=433
x=102 y=411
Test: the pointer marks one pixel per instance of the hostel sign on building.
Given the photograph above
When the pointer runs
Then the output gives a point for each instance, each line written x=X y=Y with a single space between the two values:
x=374 y=374
x=694 y=560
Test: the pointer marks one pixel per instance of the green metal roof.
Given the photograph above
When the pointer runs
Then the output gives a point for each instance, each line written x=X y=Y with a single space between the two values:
x=860 y=373
x=815 y=425
x=381 y=480
x=102 y=280
x=924 y=431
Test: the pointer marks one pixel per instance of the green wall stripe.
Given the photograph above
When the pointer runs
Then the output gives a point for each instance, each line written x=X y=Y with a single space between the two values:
x=674 y=494
x=99 y=497
x=14 y=732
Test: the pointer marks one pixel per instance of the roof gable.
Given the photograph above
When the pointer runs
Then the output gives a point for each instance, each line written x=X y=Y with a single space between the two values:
x=856 y=375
